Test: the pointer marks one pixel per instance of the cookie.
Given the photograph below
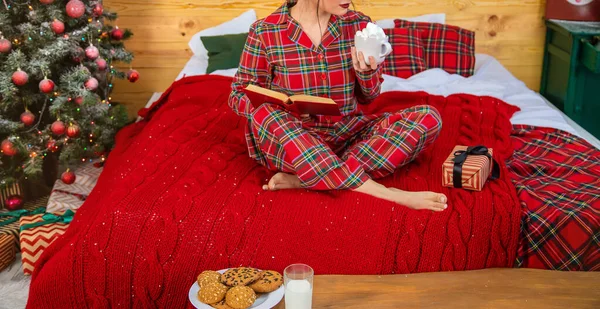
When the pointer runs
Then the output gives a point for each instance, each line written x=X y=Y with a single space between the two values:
x=240 y=297
x=241 y=276
x=270 y=282
x=221 y=305
x=208 y=276
x=212 y=292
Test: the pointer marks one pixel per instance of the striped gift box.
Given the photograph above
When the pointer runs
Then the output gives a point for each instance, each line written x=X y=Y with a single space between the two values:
x=476 y=170
x=72 y=196
x=7 y=250
x=34 y=240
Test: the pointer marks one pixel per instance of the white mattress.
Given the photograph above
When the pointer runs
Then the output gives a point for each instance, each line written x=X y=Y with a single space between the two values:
x=490 y=79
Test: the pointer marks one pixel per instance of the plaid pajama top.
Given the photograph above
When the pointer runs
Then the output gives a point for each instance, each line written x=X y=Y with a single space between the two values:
x=278 y=55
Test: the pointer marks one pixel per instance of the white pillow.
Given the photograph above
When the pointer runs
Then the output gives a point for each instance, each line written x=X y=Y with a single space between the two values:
x=428 y=18
x=240 y=24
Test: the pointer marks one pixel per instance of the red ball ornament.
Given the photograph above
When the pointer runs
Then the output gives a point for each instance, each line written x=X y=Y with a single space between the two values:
x=46 y=1
x=5 y=45
x=20 y=78
x=117 y=34
x=101 y=63
x=14 y=202
x=75 y=8
x=73 y=131
x=46 y=85
x=8 y=148
x=79 y=100
x=133 y=76
x=91 y=84
x=58 y=26
x=51 y=145
x=98 y=9
x=92 y=52
x=28 y=118
x=68 y=177
x=58 y=128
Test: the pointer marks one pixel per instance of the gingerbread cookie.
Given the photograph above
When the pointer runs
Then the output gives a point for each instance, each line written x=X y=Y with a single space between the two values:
x=212 y=292
x=270 y=282
x=221 y=305
x=208 y=276
x=240 y=297
x=241 y=276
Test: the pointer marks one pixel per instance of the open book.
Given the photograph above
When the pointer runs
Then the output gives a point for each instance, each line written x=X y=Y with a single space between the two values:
x=300 y=104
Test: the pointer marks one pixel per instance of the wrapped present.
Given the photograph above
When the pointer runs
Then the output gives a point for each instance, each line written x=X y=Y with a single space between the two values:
x=72 y=196
x=37 y=232
x=9 y=232
x=7 y=250
x=469 y=168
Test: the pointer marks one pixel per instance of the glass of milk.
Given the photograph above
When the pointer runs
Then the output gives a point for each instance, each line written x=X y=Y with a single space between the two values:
x=298 y=282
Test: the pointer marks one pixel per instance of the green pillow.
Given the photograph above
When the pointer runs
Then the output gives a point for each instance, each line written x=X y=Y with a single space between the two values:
x=224 y=51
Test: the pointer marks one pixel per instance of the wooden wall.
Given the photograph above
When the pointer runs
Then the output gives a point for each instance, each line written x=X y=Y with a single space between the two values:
x=510 y=30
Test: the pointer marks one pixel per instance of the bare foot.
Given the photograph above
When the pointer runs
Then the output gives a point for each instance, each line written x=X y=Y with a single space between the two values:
x=415 y=200
x=282 y=181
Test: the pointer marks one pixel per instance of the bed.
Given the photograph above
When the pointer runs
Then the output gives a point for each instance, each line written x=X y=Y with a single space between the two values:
x=180 y=195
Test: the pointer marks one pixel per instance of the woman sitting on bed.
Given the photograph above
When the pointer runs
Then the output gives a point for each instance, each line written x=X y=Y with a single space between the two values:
x=305 y=47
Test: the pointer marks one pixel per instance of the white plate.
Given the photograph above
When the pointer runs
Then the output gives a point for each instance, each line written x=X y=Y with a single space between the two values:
x=264 y=301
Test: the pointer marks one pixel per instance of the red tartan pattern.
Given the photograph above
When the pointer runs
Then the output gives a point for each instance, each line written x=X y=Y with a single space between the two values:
x=557 y=177
x=367 y=145
x=408 y=55
x=447 y=47
x=278 y=55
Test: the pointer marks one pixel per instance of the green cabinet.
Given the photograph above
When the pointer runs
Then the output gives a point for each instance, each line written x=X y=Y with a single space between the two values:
x=571 y=71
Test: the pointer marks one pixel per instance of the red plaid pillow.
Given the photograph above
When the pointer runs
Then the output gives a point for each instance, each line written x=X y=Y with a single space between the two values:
x=448 y=47
x=408 y=54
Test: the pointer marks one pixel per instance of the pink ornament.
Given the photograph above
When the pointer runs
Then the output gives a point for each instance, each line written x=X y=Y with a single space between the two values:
x=20 y=78
x=46 y=1
x=58 y=128
x=27 y=118
x=46 y=85
x=98 y=9
x=5 y=46
x=92 y=52
x=91 y=84
x=79 y=100
x=101 y=63
x=14 y=202
x=75 y=8
x=58 y=26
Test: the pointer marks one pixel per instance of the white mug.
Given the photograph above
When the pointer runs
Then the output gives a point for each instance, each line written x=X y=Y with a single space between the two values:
x=370 y=46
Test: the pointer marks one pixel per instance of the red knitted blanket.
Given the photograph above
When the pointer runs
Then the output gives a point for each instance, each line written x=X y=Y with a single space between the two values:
x=179 y=195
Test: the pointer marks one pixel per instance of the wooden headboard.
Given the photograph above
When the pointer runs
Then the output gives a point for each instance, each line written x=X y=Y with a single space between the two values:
x=510 y=30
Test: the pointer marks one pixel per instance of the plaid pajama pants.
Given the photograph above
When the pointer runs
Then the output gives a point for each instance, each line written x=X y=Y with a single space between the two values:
x=345 y=154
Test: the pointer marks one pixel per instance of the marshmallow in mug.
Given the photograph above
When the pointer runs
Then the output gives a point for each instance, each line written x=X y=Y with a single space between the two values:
x=372 y=41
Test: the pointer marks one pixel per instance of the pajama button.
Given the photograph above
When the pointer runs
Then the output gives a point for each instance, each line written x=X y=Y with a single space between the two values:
x=321 y=56
x=323 y=76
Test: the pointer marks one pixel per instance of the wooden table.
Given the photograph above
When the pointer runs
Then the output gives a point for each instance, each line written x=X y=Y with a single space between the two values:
x=489 y=288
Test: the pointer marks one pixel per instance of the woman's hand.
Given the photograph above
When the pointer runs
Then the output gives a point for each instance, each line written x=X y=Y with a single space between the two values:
x=358 y=60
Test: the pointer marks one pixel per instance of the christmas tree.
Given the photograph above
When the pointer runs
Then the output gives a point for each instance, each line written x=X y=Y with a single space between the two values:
x=56 y=75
